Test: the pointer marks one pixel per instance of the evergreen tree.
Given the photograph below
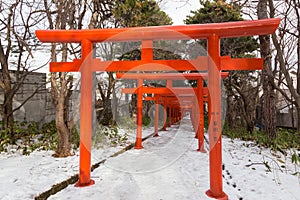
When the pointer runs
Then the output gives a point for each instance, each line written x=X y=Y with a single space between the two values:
x=242 y=96
x=134 y=13
x=219 y=11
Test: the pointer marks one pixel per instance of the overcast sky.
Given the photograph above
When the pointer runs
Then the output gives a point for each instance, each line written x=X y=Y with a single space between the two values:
x=179 y=9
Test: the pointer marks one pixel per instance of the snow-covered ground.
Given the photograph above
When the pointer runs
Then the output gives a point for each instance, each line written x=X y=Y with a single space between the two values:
x=168 y=168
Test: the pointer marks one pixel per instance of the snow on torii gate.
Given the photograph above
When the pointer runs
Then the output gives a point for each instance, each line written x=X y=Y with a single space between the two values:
x=213 y=63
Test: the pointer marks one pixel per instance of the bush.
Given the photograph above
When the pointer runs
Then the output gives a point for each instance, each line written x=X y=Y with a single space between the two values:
x=105 y=136
x=29 y=136
x=146 y=121
x=75 y=138
x=285 y=139
x=126 y=122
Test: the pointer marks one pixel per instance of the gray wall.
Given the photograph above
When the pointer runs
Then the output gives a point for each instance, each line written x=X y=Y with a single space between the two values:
x=287 y=120
x=34 y=108
x=38 y=108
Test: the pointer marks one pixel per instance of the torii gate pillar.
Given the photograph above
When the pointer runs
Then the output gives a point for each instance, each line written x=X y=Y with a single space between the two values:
x=215 y=125
x=139 y=119
x=86 y=116
x=200 y=118
x=156 y=119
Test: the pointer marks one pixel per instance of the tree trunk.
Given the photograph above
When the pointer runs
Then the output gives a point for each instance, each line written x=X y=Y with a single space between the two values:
x=62 y=83
x=7 y=117
x=298 y=119
x=250 y=103
x=132 y=105
x=269 y=98
x=297 y=12
x=64 y=142
x=146 y=106
x=298 y=113
x=7 y=107
x=230 y=111
x=115 y=105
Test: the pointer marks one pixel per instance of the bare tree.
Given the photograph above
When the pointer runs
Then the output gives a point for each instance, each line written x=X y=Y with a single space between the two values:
x=287 y=45
x=269 y=98
x=17 y=29
x=242 y=99
x=66 y=14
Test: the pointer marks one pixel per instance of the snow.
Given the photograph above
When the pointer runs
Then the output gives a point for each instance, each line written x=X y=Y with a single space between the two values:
x=256 y=181
x=168 y=168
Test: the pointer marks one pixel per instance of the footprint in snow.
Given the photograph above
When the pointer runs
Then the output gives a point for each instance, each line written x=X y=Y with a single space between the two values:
x=229 y=180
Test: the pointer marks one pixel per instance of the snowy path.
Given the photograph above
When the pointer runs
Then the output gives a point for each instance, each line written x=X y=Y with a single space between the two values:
x=164 y=169
x=168 y=168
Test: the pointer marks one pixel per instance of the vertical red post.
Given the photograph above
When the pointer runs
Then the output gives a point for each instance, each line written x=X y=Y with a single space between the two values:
x=147 y=52
x=177 y=115
x=165 y=116
x=194 y=116
x=170 y=115
x=86 y=110
x=156 y=117
x=195 y=111
x=200 y=130
x=214 y=131
x=173 y=114
x=180 y=114
x=139 y=119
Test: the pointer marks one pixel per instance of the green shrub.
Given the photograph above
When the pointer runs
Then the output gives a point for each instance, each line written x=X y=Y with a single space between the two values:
x=285 y=139
x=29 y=136
x=126 y=122
x=5 y=139
x=105 y=136
x=146 y=121
x=75 y=138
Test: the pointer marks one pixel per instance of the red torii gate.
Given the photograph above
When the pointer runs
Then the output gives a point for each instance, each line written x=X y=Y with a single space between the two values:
x=183 y=102
x=213 y=63
x=163 y=95
x=196 y=93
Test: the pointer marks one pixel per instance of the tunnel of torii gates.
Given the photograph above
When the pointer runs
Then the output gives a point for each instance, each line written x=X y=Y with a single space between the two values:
x=213 y=64
x=175 y=100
